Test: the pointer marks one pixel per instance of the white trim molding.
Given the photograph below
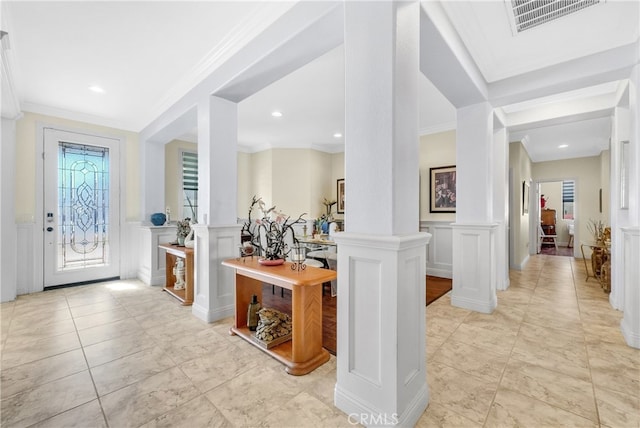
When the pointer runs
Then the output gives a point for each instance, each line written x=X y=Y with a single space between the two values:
x=382 y=301
x=214 y=285
x=474 y=267
x=440 y=248
x=630 y=324
x=152 y=265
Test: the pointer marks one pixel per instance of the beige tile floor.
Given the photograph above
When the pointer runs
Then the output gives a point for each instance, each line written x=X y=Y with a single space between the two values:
x=123 y=354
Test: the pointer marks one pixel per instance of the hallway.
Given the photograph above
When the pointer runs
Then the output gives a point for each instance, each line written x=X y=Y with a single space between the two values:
x=124 y=354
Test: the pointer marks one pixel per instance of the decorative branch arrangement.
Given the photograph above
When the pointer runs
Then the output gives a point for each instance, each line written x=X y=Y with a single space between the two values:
x=595 y=228
x=328 y=205
x=273 y=225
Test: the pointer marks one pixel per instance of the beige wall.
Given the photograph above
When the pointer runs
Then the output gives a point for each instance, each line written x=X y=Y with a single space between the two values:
x=295 y=180
x=244 y=184
x=291 y=181
x=605 y=184
x=436 y=150
x=27 y=146
x=520 y=166
x=173 y=176
x=586 y=173
x=261 y=176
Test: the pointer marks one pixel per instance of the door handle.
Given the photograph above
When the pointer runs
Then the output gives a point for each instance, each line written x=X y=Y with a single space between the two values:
x=49 y=229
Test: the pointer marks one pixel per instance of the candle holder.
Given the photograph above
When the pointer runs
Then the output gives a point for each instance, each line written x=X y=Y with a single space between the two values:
x=298 y=256
x=246 y=250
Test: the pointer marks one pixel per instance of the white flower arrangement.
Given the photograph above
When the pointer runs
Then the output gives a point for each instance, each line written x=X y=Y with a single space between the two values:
x=184 y=227
x=274 y=225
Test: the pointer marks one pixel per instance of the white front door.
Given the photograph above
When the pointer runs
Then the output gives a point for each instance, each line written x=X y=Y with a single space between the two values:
x=81 y=208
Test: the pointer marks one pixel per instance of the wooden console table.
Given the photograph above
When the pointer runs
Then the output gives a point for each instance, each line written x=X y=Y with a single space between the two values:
x=173 y=252
x=304 y=352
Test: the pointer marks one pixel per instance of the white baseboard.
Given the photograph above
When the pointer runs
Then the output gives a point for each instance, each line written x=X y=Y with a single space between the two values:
x=440 y=273
x=210 y=316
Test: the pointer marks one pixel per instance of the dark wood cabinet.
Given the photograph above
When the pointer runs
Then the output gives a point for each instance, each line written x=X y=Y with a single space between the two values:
x=548 y=218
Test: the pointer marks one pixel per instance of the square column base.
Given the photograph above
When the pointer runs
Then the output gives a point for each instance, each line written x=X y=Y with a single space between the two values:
x=214 y=284
x=152 y=269
x=381 y=367
x=474 y=267
x=630 y=324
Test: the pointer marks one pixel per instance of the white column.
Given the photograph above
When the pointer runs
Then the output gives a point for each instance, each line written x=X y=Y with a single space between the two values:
x=151 y=179
x=474 y=232
x=631 y=251
x=8 y=228
x=152 y=260
x=630 y=324
x=214 y=284
x=217 y=234
x=381 y=368
x=217 y=161
x=621 y=132
x=500 y=210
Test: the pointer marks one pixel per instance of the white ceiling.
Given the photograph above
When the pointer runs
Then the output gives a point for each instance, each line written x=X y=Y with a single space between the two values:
x=147 y=54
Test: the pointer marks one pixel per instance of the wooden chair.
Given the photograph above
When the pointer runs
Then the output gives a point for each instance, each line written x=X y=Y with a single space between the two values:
x=570 y=226
x=542 y=236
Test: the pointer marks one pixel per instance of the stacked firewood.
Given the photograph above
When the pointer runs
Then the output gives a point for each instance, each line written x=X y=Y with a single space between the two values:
x=272 y=325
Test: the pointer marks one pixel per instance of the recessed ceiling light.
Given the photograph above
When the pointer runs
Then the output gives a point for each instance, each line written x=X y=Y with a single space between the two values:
x=563 y=146
x=337 y=135
x=276 y=114
x=97 y=89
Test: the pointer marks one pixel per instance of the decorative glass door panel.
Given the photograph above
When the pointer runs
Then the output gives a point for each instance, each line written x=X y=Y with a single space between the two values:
x=83 y=206
x=81 y=218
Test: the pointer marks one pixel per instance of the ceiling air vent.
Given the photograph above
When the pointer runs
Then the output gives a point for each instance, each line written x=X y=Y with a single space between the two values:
x=531 y=13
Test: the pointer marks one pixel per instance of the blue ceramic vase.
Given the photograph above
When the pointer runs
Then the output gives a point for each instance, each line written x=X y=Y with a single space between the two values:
x=158 y=219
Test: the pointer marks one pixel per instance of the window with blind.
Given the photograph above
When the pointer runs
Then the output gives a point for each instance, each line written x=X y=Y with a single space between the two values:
x=189 y=185
x=568 y=196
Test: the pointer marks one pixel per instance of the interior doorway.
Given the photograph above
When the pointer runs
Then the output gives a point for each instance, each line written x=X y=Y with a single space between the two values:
x=556 y=216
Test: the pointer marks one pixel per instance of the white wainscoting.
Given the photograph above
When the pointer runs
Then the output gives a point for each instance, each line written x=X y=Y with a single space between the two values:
x=130 y=250
x=151 y=265
x=440 y=248
x=29 y=272
x=27 y=278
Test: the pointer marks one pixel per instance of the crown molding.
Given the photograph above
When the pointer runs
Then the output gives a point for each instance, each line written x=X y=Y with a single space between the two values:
x=247 y=30
x=255 y=148
x=435 y=129
x=78 y=117
x=10 y=100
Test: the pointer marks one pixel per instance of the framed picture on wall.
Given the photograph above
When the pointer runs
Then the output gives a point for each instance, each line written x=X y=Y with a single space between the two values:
x=525 y=197
x=340 y=193
x=442 y=189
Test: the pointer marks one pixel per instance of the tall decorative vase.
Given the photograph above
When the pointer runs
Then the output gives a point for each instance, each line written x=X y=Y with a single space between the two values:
x=252 y=313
